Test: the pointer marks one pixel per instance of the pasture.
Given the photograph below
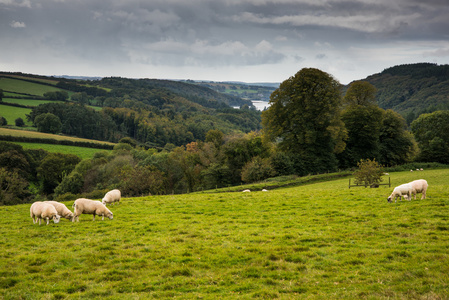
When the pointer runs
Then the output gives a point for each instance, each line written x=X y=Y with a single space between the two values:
x=29 y=102
x=317 y=241
x=25 y=87
x=82 y=152
x=11 y=113
x=41 y=135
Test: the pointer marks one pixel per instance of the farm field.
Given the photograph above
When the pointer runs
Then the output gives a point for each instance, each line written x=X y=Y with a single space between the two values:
x=41 y=135
x=11 y=113
x=21 y=86
x=317 y=241
x=29 y=102
x=81 y=152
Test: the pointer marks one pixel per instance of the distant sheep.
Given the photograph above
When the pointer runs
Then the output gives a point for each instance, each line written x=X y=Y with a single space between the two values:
x=111 y=197
x=419 y=186
x=90 y=207
x=45 y=211
x=401 y=190
x=62 y=210
x=246 y=191
x=264 y=190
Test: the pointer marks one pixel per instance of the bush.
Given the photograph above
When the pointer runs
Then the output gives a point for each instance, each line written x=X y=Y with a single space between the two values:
x=369 y=173
x=257 y=169
x=20 y=122
x=3 y=121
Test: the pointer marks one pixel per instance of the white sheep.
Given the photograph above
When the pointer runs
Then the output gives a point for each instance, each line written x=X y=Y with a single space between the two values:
x=45 y=211
x=246 y=191
x=405 y=190
x=62 y=210
x=111 y=197
x=419 y=186
x=90 y=207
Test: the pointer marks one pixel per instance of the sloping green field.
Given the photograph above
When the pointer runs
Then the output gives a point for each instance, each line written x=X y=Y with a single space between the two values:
x=318 y=241
x=11 y=113
x=25 y=87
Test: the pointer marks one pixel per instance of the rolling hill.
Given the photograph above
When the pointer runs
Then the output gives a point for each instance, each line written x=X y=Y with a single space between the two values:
x=412 y=89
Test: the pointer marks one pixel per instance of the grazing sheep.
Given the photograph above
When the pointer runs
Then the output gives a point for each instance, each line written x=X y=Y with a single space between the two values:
x=419 y=186
x=90 y=207
x=246 y=191
x=111 y=197
x=41 y=210
x=401 y=190
x=264 y=190
x=62 y=210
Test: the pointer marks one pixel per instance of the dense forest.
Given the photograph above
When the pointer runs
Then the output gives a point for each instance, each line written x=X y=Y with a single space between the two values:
x=413 y=89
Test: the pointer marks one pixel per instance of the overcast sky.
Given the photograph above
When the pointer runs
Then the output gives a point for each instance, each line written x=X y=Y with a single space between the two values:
x=220 y=40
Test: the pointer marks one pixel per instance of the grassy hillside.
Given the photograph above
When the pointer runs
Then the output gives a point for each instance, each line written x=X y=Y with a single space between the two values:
x=25 y=87
x=11 y=113
x=319 y=241
x=82 y=152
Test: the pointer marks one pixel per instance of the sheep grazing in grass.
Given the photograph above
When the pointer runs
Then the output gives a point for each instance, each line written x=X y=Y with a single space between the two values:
x=90 y=207
x=62 y=210
x=45 y=211
x=401 y=190
x=111 y=197
x=419 y=186
x=246 y=191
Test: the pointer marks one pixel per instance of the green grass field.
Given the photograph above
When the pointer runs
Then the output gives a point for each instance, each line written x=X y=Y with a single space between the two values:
x=11 y=113
x=20 y=86
x=318 y=241
x=82 y=152
x=28 y=102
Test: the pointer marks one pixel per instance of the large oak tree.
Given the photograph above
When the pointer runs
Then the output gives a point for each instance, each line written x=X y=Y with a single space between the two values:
x=303 y=119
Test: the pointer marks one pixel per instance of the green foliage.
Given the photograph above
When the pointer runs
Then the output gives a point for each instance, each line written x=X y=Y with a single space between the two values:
x=412 y=89
x=360 y=93
x=304 y=119
x=370 y=173
x=53 y=168
x=432 y=133
x=57 y=95
x=48 y=123
x=3 y=121
x=12 y=187
x=19 y=122
x=257 y=169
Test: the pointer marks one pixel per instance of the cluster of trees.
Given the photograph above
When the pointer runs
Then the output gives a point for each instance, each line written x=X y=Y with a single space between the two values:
x=153 y=118
x=27 y=173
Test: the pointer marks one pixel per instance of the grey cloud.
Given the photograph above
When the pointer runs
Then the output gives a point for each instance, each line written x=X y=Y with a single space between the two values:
x=211 y=34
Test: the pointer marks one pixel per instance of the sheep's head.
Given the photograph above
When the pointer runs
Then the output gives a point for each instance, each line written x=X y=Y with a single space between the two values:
x=110 y=215
x=389 y=199
x=56 y=219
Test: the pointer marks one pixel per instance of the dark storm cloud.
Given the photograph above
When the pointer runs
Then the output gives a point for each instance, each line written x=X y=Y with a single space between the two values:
x=202 y=34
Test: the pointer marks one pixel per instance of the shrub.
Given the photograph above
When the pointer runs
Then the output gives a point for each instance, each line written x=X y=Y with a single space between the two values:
x=19 y=122
x=369 y=173
x=257 y=169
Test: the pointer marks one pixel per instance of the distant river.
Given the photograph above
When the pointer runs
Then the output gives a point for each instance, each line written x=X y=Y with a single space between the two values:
x=260 y=105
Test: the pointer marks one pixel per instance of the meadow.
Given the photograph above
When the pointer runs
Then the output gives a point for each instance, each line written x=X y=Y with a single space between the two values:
x=11 y=113
x=25 y=87
x=29 y=102
x=317 y=241
x=41 y=135
x=82 y=152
